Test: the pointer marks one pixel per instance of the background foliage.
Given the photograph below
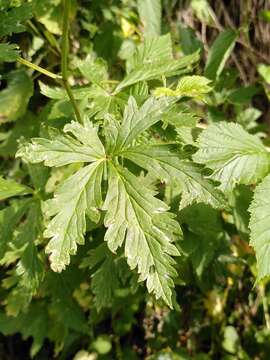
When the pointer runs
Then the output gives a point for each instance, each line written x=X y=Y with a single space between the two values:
x=145 y=125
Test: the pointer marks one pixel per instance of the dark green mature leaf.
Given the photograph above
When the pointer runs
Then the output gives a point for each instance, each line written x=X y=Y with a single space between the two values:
x=14 y=99
x=8 y=52
x=26 y=128
x=30 y=268
x=150 y=16
x=33 y=323
x=167 y=165
x=189 y=42
x=9 y=188
x=260 y=228
x=11 y=21
x=203 y=237
x=9 y=219
x=235 y=156
x=104 y=282
x=243 y=95
x=219 y=53
x=141 y=222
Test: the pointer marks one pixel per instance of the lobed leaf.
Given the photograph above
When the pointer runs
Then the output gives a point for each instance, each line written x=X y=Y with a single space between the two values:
x=235 y=156
x=61 y=149
x=259 y=227
x=10 y=188
x=167 y=165
x=141 y=222
x=77 y=196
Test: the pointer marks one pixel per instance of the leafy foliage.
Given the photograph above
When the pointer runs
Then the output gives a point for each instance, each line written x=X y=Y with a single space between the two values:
x=232 y=162
x=134 y=182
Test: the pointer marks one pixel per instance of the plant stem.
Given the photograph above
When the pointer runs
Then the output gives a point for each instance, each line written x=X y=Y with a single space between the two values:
x=64 y=59
x=265 y=306
x=39 y=69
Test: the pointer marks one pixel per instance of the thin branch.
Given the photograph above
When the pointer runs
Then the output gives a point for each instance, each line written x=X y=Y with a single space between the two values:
x=64 y=60
x=39 y=69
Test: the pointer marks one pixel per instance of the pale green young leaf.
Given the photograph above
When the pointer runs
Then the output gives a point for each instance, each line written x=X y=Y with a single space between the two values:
x=264 y=71
x=260 y=227
x=150 y=16
x=61 y=149
x=8 y=52
x=142 y=223
x=77 y=196
x=10 y=188
x=235 y=156
x=14 y=99
x=203 y=11
x=167 y=166
x=219 y=53
x=193 y=86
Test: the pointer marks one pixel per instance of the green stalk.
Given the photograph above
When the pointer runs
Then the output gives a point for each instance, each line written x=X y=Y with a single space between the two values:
x=64 y=60
x=38 y=68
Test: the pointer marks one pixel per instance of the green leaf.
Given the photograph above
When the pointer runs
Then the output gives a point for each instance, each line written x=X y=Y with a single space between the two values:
x=168 y=166
x=188 y=40
x=14 y=99
x=26 y=128
x=29 y=268
x=150 y=16
x=203 y=11
x=219 y=53
x=94 y=70
x=9 y=52
x=141 y=221
x=9 y=188
x=204 y=236
x=77 y=196
x=33 y=323
x=104 y=282
x=105 y=279
x=243 y=95
x=259 y=227
x=137 y=120
x=19 y=247
x=9 y=219
x=191 y=86
x=11 y=21
x=153 y=59
x=264 y=71
x=62 y=149
x=153 y=49
x=235 y=156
